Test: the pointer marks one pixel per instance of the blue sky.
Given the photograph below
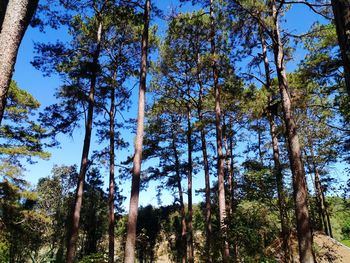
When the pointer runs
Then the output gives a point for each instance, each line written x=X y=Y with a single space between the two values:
x=43 y=88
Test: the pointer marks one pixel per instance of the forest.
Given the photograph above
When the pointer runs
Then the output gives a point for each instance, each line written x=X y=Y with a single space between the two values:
x=174 y=131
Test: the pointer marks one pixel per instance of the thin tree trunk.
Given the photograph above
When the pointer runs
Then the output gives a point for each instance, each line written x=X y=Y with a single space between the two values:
x=208 y=227
x=320 y=194
x=85 y=154
x=280 y=189
x=232 y=193
x=15 y=23
x=135 y=184
x=182 y=206
x=261 y=157
x=276 y=156
x=189 y=187
x=299 y=182
x=328 y=218
x=320 y=200
x=341 y=10
x=227 y=164
x=228 y=142
x=220 y=156
x=111 y=219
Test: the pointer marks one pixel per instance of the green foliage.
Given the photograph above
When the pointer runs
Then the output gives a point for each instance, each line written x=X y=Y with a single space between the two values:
x=95 y=258
x=346 y=242
x=256 y=227
x=20 y=136
x=22 y=223
x=94 y=212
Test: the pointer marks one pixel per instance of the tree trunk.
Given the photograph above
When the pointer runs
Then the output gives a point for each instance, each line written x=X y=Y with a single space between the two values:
x=111 y=219
x=85 y=154
x=276 y=155
x=15 y=22
x=341 y=10
x=220 y=156
x=182 y=206
x=328 y=218
x=299 y=182
x=320 y=200
x=135 y=184
x=232 y=193
x=320 y=195
x=208 y=227
x=189 y=187
x=280 y=189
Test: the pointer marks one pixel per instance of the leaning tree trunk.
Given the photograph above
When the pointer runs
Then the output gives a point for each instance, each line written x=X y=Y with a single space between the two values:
x=220 y=156
x=189 y=187
x=72 y=240
x=276 y=155
x=341 y=10
x=304 y=232
x=135 y=184
x=111 y=219
x=14 y=24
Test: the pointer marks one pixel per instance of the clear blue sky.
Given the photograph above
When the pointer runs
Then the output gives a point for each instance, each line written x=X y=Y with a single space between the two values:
x=299 y=20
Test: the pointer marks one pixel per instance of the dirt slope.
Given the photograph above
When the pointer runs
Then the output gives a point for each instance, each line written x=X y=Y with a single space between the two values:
x=329 y=250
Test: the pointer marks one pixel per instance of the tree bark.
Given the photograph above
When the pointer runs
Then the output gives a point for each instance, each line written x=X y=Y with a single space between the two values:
x=15 y=22
x=220 y=156
x=341 y=10
x=135 y=184
x=111 y=219
x=276 y=155
x=298 y=173
x=85 y=154
x=189 y=187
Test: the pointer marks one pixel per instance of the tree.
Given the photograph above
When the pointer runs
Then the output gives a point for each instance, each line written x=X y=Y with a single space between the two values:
x=86 y=147
x=165 y=139
x=219 y=142
x=14 y=23
x=135 y=184
x=79 y=65
x=270 y=24
x=122 y=45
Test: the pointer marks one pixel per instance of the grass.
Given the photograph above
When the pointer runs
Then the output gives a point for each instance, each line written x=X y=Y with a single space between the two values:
x=346 y=242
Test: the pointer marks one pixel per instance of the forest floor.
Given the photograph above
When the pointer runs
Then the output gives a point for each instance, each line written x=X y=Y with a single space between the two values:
x=329 y=250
